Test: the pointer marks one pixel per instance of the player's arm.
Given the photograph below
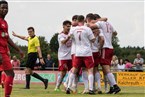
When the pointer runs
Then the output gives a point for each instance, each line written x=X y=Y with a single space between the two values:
x=19 y=36
x=93 y=40
x=91 y=36
x=92 y=26
x=102 y=19
x=65 y=40
x=101 y=42
x=12 y=44
x=40 y=55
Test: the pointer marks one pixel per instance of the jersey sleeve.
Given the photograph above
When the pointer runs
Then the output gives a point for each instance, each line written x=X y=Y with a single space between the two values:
x=71 y=32
x=37 y=43
x=60 y=38
x=112 y=28
x=101 y=33
x=90 y=34
x=98 y=24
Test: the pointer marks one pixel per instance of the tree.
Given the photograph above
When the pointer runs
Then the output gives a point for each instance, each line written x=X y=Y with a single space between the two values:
x=54 y=43
x=44 y=46
x=54 y=47
x=116 y=46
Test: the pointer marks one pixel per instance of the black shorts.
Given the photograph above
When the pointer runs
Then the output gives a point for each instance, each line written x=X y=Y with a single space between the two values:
x=31 y=61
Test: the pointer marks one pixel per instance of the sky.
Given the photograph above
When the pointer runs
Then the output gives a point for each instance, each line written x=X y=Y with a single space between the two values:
x=126 y=16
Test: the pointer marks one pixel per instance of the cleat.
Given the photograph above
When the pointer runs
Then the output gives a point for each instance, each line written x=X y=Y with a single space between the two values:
x=110 y=91
x=73 y=90
x=116 y=90
x=99 y=92
x=91 y=92
x=46 y=83
x=68 y=91
x=57 y=90
x=85 y=92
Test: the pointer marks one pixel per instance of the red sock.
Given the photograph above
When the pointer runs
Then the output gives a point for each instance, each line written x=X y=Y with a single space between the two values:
x=8 y=85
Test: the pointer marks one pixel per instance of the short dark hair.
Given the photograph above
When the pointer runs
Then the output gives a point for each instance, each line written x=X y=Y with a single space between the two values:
x=66 y=22
x=97 y=16
x=3 y=2
x=74 y=17
x=90 y=16
x=29 y=28
x=81 y=18
x=127 y=60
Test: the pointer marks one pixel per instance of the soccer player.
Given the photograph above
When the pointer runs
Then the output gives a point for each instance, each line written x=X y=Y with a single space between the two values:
x=96 y=49
x=33 y=50
x=74 y=24
x=5 y=64
x=107 y=52
x=82 y=36
x=74 y=21
x=64 y=53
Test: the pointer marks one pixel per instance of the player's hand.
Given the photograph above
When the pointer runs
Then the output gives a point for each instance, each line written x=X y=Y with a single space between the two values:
x=14 y=34
x=42 y=61
x=99 y=55
x=1 y=59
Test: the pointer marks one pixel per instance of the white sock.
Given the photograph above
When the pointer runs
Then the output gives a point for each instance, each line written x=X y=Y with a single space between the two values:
x=75 y=82
x=85 y=79
x=71 y=78
x=67 y=79
x=106 y=83
x=59 y=81
x=91 y=81
x=98 y=79
x=111 y=79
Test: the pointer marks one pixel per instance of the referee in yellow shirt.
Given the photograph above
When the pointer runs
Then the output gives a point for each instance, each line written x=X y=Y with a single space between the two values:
x=33 y=50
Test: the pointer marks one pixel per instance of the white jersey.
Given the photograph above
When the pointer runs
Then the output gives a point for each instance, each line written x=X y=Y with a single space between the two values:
x=73 y=47
x=107 y=31
x=95 y=45
x=82 y=36
x=64 y=51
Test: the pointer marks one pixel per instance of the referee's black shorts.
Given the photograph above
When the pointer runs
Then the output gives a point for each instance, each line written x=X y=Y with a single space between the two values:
x=31 y=61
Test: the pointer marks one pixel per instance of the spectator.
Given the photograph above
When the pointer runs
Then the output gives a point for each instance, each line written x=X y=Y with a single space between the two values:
x=114 y=62
x=121 y=65
x=49 y=62
x=128 y=65
x=138 y=62
x=15 y=63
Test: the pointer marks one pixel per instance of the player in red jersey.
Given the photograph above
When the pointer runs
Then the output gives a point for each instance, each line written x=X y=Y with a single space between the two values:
x=5 y=64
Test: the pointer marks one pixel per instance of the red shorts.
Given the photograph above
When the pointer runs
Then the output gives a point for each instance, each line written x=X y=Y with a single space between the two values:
x=81 y=61
x=65 y=65
x=72 y=57
x=3 y=77
x=6 y=64
x=97 y=57
x=106 y=56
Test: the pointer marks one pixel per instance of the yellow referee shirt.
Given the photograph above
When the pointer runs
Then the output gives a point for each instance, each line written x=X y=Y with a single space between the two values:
x=33 y=43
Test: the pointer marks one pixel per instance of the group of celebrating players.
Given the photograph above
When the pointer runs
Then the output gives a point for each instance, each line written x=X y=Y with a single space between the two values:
x=84 y=44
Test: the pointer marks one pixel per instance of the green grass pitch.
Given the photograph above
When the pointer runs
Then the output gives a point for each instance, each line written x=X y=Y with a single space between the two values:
x=37 y=90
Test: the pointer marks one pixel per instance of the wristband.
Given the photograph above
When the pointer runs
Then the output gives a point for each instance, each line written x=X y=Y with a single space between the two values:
x=41 y=58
